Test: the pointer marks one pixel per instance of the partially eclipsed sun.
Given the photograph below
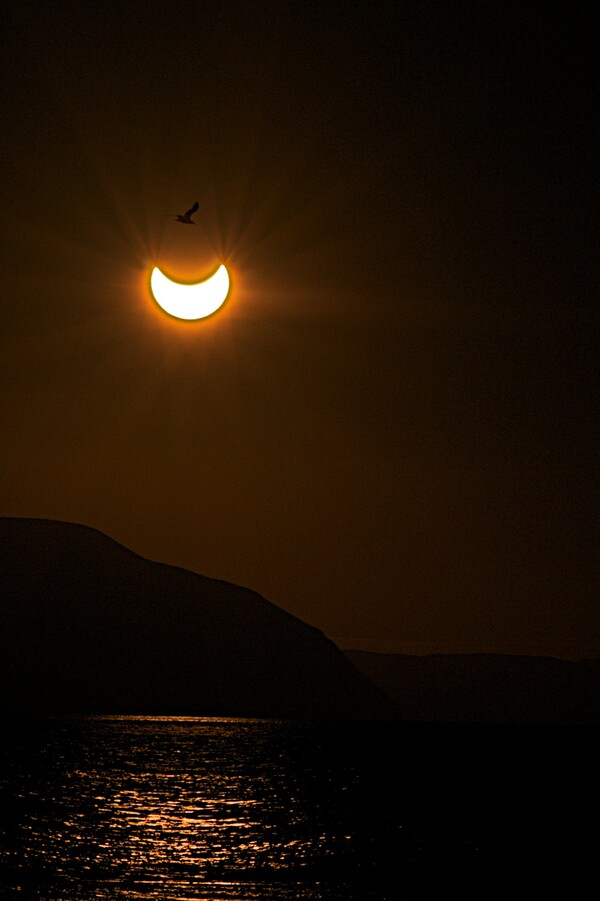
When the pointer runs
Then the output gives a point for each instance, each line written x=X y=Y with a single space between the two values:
x=190 y=301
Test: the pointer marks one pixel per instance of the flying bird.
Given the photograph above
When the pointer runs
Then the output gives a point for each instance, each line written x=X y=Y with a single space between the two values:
x=187 y=217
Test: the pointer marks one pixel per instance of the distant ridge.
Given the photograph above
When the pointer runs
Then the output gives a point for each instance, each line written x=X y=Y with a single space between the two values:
x=88 y=626
x=486 y=688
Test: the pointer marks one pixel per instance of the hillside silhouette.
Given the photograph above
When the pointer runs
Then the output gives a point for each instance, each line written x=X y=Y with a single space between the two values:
x=486 y=688
x=86 y=625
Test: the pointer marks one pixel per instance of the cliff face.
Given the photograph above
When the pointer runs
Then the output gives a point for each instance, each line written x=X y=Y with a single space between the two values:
x=88 y=626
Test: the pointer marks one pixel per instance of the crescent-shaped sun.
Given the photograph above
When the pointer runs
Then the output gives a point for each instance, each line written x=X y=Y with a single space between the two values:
x=190 y=301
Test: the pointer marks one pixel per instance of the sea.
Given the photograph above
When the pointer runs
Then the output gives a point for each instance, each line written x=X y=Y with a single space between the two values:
x=142 y=808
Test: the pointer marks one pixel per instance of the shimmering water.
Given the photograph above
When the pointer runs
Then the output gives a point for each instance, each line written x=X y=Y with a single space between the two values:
x=183 y=808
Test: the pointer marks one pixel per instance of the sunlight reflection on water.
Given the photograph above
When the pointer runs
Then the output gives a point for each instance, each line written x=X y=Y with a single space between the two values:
x=203 y=806
x=225 y=809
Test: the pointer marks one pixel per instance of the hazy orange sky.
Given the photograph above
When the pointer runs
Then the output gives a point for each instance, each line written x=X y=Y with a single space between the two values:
x=391 y=428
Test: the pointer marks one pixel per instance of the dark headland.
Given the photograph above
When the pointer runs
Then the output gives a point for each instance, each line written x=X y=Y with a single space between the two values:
x=88 y=626
x=486 y=688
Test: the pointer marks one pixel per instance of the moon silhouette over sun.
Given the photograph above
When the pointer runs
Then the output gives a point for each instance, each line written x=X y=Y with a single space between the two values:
x=196 y=301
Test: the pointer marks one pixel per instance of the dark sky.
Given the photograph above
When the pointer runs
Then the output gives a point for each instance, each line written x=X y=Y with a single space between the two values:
x=390 y=430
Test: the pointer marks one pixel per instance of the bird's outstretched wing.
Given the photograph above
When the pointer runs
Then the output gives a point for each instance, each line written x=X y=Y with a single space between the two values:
x=193 y=209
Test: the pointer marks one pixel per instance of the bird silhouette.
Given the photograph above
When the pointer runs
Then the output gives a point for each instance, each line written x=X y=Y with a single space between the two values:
x=186 y=218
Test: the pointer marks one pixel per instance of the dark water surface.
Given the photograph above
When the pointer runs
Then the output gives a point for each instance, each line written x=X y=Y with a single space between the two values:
x=187 y=808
